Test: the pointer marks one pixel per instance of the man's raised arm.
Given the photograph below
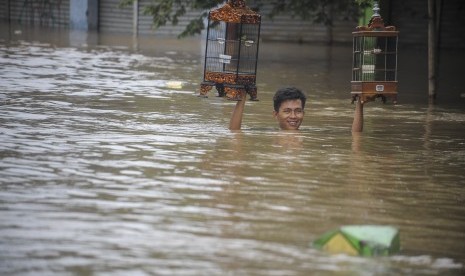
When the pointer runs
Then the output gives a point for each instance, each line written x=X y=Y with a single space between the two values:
x=236 y=117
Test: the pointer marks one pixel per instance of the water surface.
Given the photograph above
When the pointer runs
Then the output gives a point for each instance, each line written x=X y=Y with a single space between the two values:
x=110 y=164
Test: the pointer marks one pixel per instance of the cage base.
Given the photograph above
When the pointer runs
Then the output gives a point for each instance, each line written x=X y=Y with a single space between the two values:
x=371 y=90
x=229 y=91
x=370 y=97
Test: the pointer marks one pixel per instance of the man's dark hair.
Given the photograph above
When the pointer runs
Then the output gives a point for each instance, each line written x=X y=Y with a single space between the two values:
x=288 y=93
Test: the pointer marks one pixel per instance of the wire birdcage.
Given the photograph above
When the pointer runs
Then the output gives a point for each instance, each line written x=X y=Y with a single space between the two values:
x=374 y=68
x=231 y=52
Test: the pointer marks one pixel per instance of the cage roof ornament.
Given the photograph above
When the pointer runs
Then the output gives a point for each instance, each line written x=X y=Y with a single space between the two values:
x=376 y=22
x=375 y=10
x=235 y=11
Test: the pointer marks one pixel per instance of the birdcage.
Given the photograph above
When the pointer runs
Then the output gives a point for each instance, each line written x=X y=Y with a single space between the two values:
x=231 y=51
x=374 y=69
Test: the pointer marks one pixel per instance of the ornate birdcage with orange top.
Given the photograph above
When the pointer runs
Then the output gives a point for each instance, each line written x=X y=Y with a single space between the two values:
x=374 y=69
x=231 y=52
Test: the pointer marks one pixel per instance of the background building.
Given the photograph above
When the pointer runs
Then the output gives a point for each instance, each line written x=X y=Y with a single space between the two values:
x=410 y=17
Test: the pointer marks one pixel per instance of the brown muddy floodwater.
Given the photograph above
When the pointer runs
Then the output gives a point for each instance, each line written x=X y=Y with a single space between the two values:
x=111 y=165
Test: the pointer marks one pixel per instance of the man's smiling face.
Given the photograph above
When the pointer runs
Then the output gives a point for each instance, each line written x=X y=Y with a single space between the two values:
x=290 y=114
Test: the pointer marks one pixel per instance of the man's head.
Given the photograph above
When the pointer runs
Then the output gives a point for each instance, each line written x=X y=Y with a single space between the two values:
x=289 y=103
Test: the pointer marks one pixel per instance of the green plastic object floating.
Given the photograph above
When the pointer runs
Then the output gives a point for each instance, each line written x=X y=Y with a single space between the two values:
x=361 y=240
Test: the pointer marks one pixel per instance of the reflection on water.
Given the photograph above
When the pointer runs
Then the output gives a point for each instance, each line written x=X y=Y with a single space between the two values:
x=106 y=167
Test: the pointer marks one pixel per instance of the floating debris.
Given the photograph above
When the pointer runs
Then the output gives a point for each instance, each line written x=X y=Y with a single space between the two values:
x=361 y=240
x=174 y=84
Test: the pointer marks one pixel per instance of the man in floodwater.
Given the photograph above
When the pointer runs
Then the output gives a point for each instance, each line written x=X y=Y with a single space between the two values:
x=288 y=103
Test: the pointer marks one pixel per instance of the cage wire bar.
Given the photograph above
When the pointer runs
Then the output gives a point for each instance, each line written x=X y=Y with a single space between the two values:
x=378 y=64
